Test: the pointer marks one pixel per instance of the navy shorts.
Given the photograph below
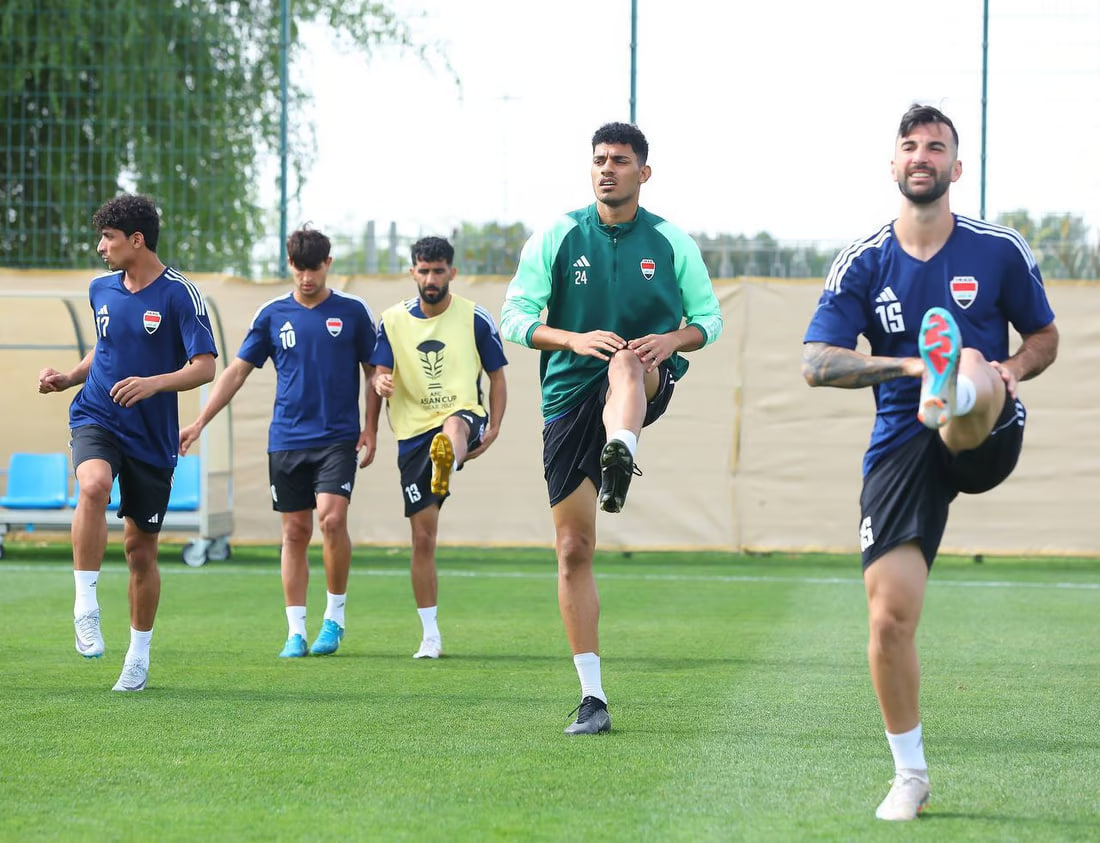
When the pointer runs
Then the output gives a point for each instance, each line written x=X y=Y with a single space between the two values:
x=297 y=477
x=144 y=489
x=415 y=464
x=571 y=443
x=907 y=493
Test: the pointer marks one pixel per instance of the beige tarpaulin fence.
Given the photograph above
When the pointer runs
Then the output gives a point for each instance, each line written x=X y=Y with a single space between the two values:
x=747 y=457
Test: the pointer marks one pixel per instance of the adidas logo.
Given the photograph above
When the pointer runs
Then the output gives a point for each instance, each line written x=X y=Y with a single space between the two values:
x=154 y=519
x=885 y=296
x=102 y=311
x=346 y=487
x=287 y=326
x=581 y=262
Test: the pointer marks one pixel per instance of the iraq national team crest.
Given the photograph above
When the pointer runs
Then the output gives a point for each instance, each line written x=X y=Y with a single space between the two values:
x=964 y=289
x=334 y=325
x=151 y=320
x=649 y=266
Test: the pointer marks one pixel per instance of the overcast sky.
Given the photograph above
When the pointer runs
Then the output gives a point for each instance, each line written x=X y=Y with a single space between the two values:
x=776 y=117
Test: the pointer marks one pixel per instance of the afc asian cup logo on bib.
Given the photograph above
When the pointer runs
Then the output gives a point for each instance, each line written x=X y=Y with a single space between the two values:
x=964 y=289
x=151 y=321
x=649 y=266
x=335 y=326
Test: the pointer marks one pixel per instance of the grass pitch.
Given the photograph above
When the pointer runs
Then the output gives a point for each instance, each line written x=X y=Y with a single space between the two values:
x=738 y=688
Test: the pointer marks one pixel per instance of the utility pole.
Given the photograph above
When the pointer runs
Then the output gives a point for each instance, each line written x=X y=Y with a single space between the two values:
x=633 y=60
x=284 y=59
x=985 y=90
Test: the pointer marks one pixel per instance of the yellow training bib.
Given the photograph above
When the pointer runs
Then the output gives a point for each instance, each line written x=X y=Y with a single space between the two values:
x=436 y=367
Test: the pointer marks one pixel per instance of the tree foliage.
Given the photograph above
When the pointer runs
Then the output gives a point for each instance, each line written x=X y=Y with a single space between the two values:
x=179 y=100
x=736 y=255
x=489 y=249
x=1060 y=243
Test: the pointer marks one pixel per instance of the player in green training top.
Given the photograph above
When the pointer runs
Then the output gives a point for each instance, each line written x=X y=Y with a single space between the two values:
x=625 y=292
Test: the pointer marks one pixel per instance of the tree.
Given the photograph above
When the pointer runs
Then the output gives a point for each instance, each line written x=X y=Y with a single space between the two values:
x=1060 y=243
x=179 y=100
x=490 y=249
x=731 y=256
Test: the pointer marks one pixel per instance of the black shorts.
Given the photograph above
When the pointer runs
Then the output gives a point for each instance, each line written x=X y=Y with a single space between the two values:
x=415 y=464
x=144 y=489
x=571 y=443
x=907 y=493
x=297 y=477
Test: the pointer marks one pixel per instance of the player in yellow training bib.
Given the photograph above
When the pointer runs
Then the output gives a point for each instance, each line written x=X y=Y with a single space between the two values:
x=428 y=360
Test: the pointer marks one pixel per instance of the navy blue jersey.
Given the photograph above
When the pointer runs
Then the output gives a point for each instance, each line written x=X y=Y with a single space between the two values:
x=318 y=354
x=154 y=331
x=985 y=275
x=486 y=337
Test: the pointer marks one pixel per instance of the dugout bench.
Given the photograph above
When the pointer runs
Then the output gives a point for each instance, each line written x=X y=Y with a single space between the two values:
x=37 y=496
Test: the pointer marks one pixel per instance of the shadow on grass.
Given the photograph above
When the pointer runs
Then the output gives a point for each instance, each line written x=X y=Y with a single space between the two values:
x=1040 y=823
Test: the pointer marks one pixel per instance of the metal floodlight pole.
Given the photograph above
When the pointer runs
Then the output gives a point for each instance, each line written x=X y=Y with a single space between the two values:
x=985 y=90
x=284 y=58
x=633 y=59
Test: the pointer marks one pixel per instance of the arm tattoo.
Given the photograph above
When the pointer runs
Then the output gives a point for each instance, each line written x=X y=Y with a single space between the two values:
x=831 y=365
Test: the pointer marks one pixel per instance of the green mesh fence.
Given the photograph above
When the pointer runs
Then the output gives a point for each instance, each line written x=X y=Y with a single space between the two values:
x=180 y=99
x=172 y=99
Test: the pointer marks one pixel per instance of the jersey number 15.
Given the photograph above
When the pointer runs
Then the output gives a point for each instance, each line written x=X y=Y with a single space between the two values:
x=890 y=316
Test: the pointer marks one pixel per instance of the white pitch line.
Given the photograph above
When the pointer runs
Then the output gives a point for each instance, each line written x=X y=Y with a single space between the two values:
x=218 y=569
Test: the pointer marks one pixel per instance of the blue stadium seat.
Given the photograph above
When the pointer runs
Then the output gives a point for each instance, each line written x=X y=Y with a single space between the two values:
x=37 y=481
x=185 y=485
x=112 y=504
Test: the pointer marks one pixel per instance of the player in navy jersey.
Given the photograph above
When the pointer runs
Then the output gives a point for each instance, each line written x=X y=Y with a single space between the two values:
x=320 y=341
x=934 y=294
x=153 y=339
x=428 y=361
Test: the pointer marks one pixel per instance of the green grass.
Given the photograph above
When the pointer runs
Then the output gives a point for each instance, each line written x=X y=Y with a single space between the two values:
x=738 y=686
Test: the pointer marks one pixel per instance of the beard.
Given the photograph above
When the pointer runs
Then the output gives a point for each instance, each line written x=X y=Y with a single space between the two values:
x=435 y=296
x=939 y=188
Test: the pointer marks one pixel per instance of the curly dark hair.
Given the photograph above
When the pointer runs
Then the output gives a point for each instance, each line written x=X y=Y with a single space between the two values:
x=307 y=248
x=923 y=115
x=431 y=249
x=130 y=213
x=623 y=133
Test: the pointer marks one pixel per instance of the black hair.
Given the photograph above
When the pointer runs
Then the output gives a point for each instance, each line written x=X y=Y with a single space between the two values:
x=130 y=213
x=432 y=249
x=307 y=248
x=923 y=115
x=626 y=133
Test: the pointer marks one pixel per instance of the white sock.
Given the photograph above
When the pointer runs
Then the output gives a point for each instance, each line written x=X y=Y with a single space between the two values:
x=628 y=438
x=908 y=751
x=296 y=620
x=588 y=670
x=965 y=395
x=139 y=644
x=334 y=609
x=86 y=599
x=428 y=621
